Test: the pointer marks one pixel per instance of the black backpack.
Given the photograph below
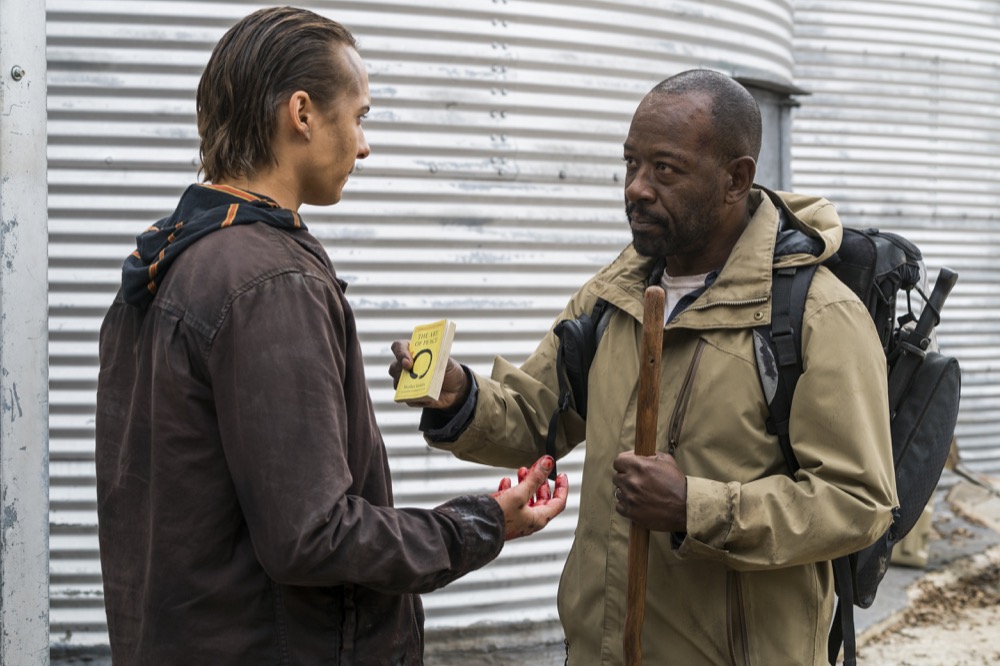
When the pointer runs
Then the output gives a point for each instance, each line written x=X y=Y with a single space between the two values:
x=924 y=387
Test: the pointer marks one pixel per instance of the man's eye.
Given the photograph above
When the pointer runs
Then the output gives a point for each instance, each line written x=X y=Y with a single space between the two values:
x=629 y=162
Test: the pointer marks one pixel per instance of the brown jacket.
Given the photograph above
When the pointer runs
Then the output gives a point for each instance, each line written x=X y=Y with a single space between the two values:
x=244 y=497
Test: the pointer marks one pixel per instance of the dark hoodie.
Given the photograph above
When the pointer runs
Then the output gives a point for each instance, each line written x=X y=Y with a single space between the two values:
x=244 y=496
x=201 y=210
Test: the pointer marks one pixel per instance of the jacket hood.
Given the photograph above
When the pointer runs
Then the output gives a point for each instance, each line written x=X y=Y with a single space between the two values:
x=785 y=229
x=202 y=209
x=809 y=229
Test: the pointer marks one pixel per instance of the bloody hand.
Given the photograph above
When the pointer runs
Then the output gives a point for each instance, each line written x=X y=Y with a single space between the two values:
x=530 y=505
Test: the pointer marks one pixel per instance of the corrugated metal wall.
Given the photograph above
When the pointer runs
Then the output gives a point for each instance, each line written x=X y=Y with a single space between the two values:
x=902 y=131
x=493 y=191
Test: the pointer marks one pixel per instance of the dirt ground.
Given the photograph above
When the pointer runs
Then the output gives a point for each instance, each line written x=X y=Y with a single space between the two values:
x=954 y=624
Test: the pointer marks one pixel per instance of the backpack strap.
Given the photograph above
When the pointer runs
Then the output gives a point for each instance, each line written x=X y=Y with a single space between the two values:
x=788 y=301
x=561 y=406
x=789 y=290
x=843 y=631
x=602 y=315
x=573 y=390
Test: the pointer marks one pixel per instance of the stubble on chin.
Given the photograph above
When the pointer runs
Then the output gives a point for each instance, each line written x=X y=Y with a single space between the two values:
x=646 y=244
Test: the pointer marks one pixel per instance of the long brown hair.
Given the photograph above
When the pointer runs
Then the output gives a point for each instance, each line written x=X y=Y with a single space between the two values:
x=256 y=66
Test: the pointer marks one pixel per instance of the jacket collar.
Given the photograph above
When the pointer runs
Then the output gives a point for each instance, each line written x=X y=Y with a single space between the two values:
x=740 y=297
x=202 y=209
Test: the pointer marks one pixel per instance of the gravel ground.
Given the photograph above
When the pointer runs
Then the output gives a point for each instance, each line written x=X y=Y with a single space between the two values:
x=950 y=623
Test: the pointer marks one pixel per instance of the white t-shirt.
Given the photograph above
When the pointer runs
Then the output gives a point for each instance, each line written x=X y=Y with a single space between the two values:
x=676 y=288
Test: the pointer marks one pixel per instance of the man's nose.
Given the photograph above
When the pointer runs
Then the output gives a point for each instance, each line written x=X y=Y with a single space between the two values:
x=638 y=188
x=364 y=150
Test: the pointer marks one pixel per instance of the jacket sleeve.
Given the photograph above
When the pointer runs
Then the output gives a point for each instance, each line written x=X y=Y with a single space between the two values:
x=842 y=497
x=280 y=366
x=514 y=407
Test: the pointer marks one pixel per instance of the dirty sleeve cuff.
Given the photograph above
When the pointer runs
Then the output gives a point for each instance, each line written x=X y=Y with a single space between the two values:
x=709 y=518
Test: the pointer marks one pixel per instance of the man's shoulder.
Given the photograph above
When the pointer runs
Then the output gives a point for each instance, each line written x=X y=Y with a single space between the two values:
x=224 y=264
x=827 y=289
x=835 y=313
x=246 y=250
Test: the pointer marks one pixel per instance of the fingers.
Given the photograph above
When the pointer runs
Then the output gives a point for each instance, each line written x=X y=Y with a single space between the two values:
x=651 y=491
x=522 y=472
x=529 y=506
x=544 y=493
x=552 y=507
x=630 y=468
x=535 y=477
x=623 y=461
x=562 y=488
x=620 y=506
x=401 y=350
x=530 y=481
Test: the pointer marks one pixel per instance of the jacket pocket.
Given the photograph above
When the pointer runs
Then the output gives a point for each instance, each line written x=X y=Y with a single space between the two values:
x=736 y=620
x=680 y=407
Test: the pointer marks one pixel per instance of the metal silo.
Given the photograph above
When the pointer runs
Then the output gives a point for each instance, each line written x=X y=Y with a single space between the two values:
x=493 y=191
x=902 y=132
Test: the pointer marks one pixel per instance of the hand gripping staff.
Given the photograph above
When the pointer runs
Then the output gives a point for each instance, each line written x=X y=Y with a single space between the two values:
x=647 y=408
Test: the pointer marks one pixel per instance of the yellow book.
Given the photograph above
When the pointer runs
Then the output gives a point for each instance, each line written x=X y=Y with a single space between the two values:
x=430 y=346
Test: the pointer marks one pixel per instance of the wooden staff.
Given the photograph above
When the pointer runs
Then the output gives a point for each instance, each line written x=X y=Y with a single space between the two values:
x=645 y=445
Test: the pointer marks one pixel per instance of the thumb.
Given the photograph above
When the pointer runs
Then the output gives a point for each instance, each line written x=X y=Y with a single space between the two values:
x=504 y=485
x=536 y=476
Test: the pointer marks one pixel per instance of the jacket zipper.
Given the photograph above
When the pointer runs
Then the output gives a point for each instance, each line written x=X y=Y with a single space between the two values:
x=349 y=625
x=750 y=301
x=736 y=620
x=416 y=625
x=680 y=407
x=279 y=617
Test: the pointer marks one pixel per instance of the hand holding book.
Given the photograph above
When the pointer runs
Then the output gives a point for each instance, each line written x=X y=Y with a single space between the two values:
x=424 y=374
x=432 y=379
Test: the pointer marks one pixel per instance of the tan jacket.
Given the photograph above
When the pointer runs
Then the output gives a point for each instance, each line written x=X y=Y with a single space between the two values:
x=751 y=582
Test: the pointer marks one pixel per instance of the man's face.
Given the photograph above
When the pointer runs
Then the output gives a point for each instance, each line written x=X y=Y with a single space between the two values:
x=338 y=139
x=675 y=185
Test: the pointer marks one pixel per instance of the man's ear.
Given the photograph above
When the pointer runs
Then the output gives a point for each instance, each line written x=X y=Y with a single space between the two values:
x=298 y=111
x=742 y=171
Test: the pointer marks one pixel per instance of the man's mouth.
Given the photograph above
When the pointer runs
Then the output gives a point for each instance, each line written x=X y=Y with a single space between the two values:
x=643 y=223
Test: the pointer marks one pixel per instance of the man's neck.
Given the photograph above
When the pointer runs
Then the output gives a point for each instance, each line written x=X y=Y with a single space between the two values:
x=715 y=254
x=270 y=185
